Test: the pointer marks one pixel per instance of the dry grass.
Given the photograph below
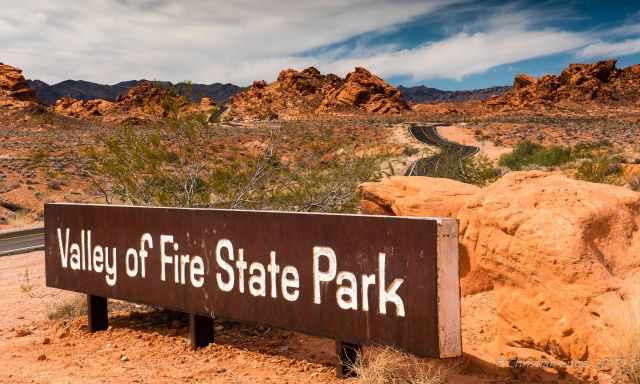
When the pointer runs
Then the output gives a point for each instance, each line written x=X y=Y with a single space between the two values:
x=388 y=366
x=74 y=307
x=627 y=345
x=26 y=286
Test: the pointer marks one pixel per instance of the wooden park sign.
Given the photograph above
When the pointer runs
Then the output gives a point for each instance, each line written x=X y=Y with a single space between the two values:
x=354 y=278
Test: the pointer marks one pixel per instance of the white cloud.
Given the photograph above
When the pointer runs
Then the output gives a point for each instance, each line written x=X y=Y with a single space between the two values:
x=609 y=43
x=239 y=41
x=608 y=49
x=508 y=37
x=203 y=40
x=464 y=54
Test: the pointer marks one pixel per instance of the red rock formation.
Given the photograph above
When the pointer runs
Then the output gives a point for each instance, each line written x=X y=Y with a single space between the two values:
x=82 y=108
x=143 y=103
x=599 y=82
x=365 y=91
x=296 y=94
x=14 y=90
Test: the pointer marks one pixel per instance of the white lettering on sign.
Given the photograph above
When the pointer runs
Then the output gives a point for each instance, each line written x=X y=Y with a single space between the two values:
x=227 y=285
x=289 y=279
x=234 y=273
x=99 y=258
x=347 y=292
x=292 y=282
x=181 y=263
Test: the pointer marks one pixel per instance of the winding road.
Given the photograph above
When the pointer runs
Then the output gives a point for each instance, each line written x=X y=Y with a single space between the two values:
x=428 y=134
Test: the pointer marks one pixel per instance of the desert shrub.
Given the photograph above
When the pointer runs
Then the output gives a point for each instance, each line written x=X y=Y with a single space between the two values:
x=161 y=166
x=592 y=150
x=479 y=170
x=451 y=164
x=176 y=163
x=602 y=169
x=385 y=365
x=67 y=309
x=527 y=153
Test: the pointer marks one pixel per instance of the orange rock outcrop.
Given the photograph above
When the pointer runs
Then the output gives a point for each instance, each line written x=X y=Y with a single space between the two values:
x=602 y=82
x=297 y=94
x=14 y=90
x=143 y=103
x=562 y=256
x=365 y=91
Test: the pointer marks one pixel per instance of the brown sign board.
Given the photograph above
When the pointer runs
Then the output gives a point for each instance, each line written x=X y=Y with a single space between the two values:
x=354 y=278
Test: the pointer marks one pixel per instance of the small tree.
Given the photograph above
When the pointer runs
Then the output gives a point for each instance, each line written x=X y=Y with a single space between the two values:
x=169 y=164
x=158 y=166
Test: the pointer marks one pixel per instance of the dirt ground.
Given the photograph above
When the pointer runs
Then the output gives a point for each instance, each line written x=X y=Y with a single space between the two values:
x=141 y=346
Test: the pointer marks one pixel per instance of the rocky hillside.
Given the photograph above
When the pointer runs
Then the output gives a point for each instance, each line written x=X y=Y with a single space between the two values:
x=301 y=93
x=14 y=90
x=422 y=94
x=600 y=82
x=86 y=90
x=142 y=103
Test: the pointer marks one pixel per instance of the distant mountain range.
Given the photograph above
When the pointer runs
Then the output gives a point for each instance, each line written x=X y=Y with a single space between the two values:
x=86 y=90
x=422 y=94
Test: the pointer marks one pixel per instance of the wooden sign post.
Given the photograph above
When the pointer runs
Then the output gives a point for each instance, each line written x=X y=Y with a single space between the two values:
x=353 y=278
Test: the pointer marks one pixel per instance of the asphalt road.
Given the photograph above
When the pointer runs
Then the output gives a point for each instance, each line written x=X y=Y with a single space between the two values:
x=21 y=241
x=428 y=134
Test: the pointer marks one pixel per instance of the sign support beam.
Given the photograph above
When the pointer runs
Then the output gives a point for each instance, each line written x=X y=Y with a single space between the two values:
x=97 y=313
x=200 y=331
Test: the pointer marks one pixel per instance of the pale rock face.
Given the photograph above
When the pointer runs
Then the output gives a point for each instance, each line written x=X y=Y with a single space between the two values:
x=416 y=196
x=562 y=255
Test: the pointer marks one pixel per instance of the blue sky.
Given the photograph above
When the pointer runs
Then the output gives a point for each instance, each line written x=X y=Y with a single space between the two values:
x=448 y=44
x=592 y=17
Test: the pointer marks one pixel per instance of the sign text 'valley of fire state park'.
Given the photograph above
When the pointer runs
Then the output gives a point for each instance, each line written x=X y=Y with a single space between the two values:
x=354 y=278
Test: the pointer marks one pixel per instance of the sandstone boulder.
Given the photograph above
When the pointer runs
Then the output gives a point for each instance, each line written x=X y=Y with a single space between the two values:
x=14 y=90
x=365 y=91
x=299 y=94
x=292 y=95
x=143 y=103
x=522 y=81
x=69 y=106
x=578 y=83
x=561 y=255
x=416 y=196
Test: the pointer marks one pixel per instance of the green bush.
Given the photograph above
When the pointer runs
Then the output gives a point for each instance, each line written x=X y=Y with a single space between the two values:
x=527 y=154
x=450 y=164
